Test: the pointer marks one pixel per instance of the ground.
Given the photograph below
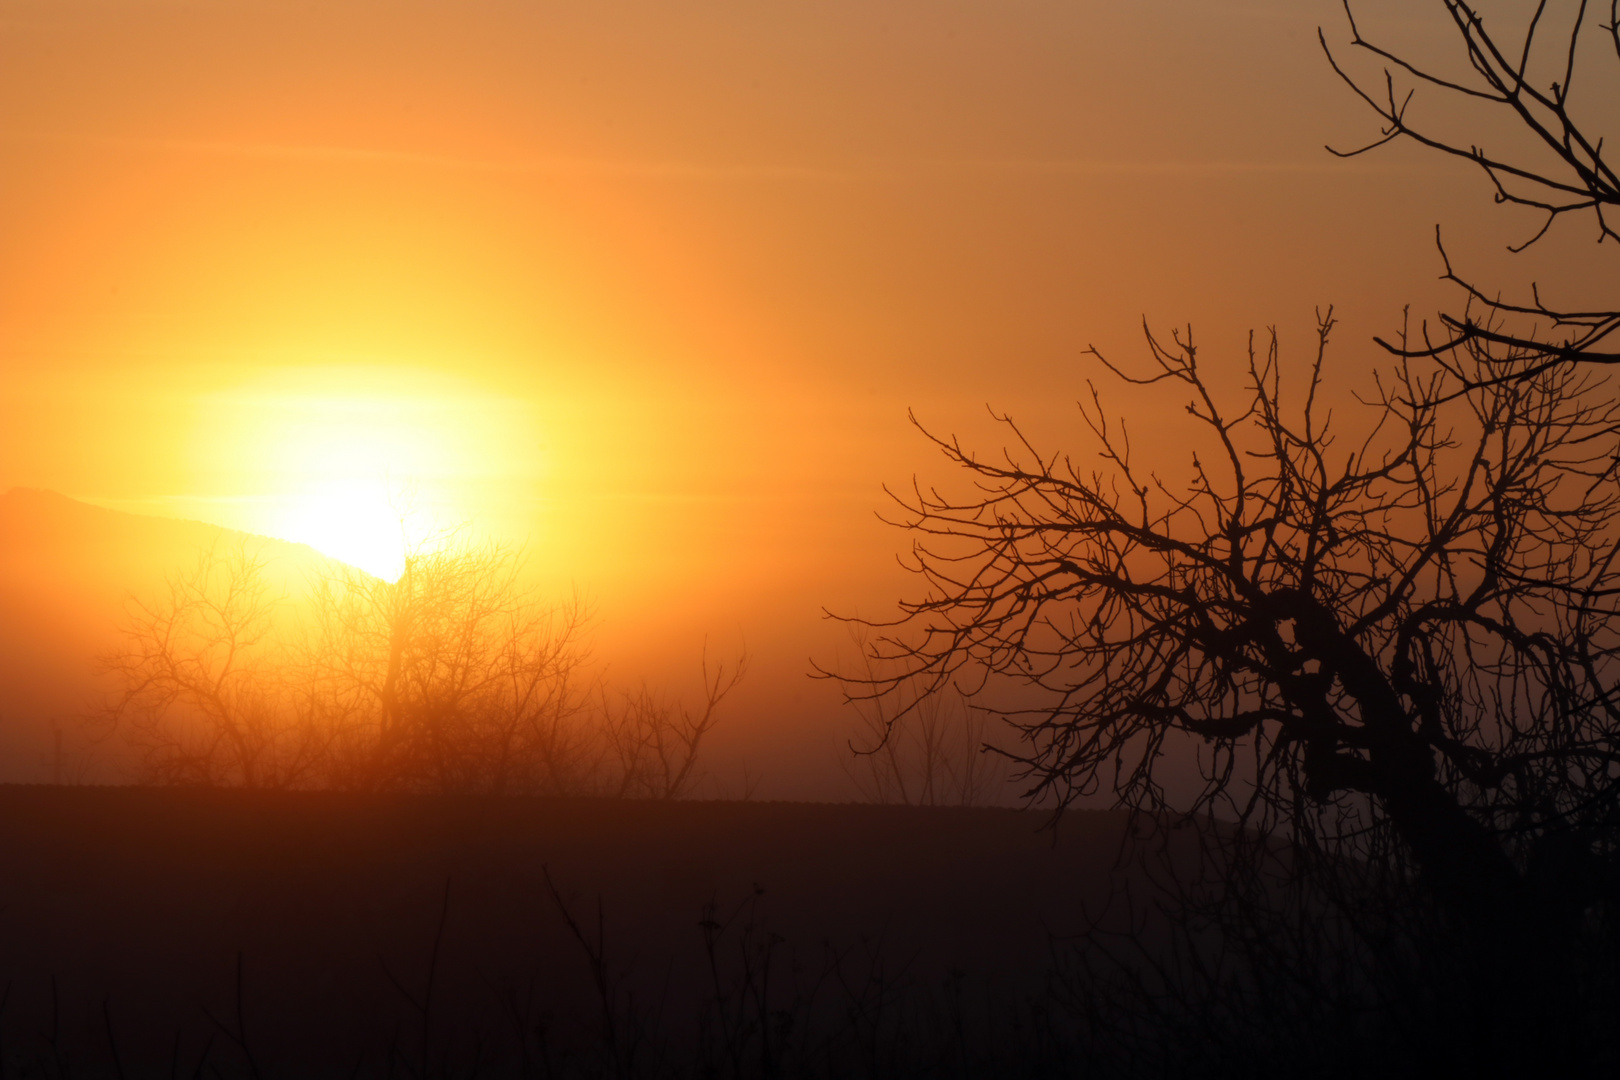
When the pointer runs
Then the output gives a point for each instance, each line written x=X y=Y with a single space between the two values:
x=135 y=904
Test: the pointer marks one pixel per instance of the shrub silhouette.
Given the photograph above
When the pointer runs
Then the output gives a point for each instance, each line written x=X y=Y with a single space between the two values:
x=449 y=679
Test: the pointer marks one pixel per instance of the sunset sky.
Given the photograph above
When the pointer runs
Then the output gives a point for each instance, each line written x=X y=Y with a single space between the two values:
x=648 y=288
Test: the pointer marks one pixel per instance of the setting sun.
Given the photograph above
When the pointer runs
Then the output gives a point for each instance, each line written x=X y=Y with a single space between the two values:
x=355 y=521
x=361 y=463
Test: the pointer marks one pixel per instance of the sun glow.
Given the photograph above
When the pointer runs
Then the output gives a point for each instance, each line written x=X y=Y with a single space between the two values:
x=362 y=464
x=353 y=521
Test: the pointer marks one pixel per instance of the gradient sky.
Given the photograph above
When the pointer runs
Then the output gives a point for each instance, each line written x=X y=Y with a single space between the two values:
x=649 y=287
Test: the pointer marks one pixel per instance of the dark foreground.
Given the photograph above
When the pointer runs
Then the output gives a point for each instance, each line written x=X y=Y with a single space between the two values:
x=159 y=932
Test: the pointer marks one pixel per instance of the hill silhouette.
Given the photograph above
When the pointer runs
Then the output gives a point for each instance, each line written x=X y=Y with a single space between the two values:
x=67 y=569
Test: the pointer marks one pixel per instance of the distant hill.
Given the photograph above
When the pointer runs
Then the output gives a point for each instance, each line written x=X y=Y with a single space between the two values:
x=67 y=569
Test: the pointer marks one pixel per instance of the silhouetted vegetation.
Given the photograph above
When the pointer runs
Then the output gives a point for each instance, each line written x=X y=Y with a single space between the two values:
x=207 y=692
x=934 y=753
x=1525 y=82
x=766 y=1009
x=1391 y=639
x=297 y=933
x=1554 y=164
x=448 y=679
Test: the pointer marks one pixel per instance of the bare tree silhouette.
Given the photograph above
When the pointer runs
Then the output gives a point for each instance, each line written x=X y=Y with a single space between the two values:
x=204 y=693
x=936 y=754
x=1398 y=654
x=449 y=679
x=655 y=741
x=1547 y=155
x=1407 y=644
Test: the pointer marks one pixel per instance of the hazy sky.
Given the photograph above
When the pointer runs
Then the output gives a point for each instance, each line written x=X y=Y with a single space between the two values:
x=650 y=287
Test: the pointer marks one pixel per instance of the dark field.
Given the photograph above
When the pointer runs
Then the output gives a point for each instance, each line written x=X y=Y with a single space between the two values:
x=133 y=907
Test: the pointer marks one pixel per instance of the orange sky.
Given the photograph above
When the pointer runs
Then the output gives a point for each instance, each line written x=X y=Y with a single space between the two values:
x=650 y=287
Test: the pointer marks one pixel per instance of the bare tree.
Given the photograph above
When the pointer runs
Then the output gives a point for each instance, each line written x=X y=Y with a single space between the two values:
x=1546 y=89
x=654 y=742
x=1405 y=645
x=936 y=754
x=450 y=678
x=203 y=694
x=1395 y=655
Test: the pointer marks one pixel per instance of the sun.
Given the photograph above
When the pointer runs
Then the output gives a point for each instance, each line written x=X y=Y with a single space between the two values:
x=360 y=464
x=349 y=466
x=353 y=520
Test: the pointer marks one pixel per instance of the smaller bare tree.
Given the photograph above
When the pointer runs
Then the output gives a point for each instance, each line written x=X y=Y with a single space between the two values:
x=451 y=678
x=930 y=749
x=654 y=741
x=203 y=694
